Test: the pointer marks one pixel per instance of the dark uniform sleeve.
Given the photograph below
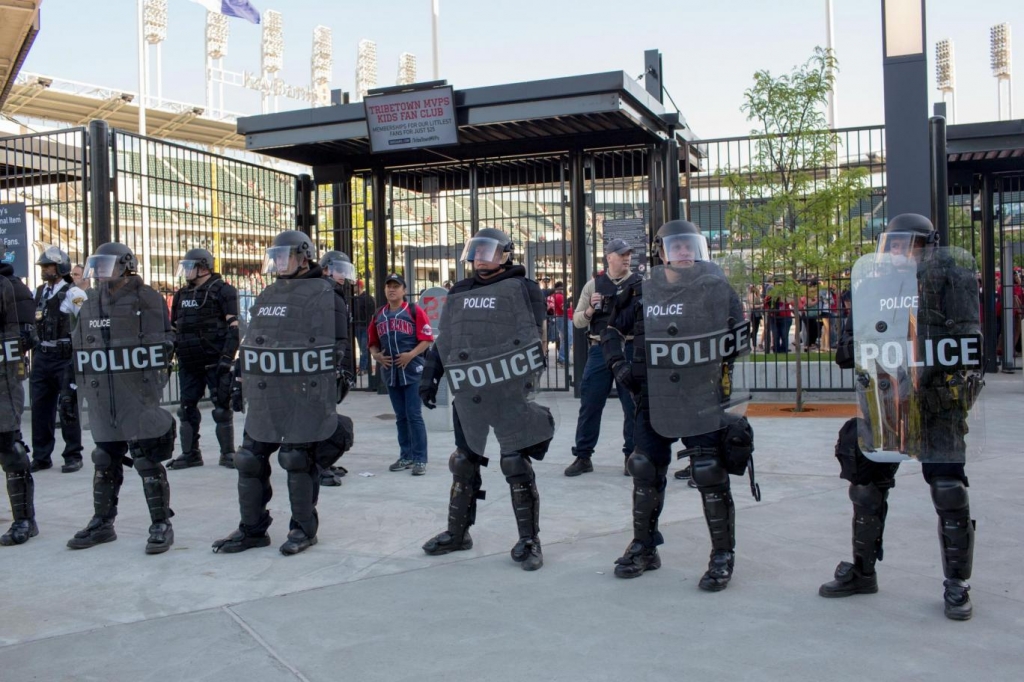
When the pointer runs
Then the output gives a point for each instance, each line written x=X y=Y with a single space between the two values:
x=537 y=304
x=175 y=304
x=228 y=301
x=622 y=323
x=342 y=347
x=844 y=350
x=25 y=301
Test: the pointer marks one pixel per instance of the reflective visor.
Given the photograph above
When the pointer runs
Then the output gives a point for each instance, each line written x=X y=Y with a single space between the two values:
x=187 y=269
x=341 y=268
x=101 y=267
x=685 y=248
x=900 y=243
x=278 y=261
x=480 y=248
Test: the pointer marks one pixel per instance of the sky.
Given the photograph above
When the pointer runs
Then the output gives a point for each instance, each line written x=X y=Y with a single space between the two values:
x=711 y=48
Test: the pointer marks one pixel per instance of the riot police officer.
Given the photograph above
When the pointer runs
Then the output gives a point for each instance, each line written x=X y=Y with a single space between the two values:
x=679 y=395
x=290 y=363
x=13 y=453
x=911 y=288
x=496 y=313
x=338 y=269
x=204 y=318
x=123 y=349
x=57 y=300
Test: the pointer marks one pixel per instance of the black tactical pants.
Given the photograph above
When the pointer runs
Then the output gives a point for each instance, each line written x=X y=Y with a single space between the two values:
x=255 y=492
x=48 y=369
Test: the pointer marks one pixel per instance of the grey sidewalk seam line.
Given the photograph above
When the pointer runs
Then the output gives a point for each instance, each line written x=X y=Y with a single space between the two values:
x=263 y=643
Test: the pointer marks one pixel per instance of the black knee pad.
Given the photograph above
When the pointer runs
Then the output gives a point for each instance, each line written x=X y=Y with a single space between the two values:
x=949 y=495
x=247 y=463
x=222 y=415
x=868 y=497
x=293 y=459
x=147 y=467
x=461 y=465
x=517 y=469
x=102 y=459
x=641 y=468
x=14 y=458
x=330 y=450
x=708 y=473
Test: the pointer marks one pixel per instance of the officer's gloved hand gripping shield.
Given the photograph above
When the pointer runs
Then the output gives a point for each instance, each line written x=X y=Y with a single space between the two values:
x=918 y=355
x=122 y=350
x=12 y=362
x=288 y=363
x=695 y=339
x=493 y=359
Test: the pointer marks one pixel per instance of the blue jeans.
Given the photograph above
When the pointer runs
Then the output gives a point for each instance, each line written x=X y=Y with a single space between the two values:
x=412 y=432
x=594 y=389
x=782 y=325
x=364 y=357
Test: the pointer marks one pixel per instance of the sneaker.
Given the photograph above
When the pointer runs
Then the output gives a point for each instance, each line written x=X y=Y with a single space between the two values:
x=186 y=460
x=958 y=601
x=238 y=541
x=40 y=464
x=445 y=542
x=849 y=581
x=636 y=560
x=72 y=465
x=20 y=532
x=401 y=464
x=97 y=532
x=719 y=571
x=581 y=465
x=683 y=474
x=419 y=468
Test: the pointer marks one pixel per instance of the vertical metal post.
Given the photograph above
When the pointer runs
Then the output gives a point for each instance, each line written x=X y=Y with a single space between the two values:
x=380 y=246
x=671 y=151
x=939 y=176
x=988 y=273
x=304 y=218
x=578 y=221
x=341 y=202
x=474 y=200
x=83 y=148
x=99 y=180
x=1009 y=361
x=655 y=187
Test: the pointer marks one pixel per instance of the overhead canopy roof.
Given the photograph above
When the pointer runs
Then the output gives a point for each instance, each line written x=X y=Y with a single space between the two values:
x=19 y=24
x=547 y=116
x=992 y=147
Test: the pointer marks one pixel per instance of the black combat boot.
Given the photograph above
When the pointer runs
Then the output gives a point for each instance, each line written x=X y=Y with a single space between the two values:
x=158 y=499
x=956 y=536
x=648 y=500
x=98 y=531
x=465 y=492
x=720 y=513
x=869 y=511
x=580 y=465
x=245 y=537
x=298 y=541
x=227 y=460
x=21 y=490
x=526 y=506
x=185 y=460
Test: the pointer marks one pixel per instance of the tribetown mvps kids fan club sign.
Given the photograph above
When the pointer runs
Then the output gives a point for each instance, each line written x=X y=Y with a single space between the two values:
x=411 y=120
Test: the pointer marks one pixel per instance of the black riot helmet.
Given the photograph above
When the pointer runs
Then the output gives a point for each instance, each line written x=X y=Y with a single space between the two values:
x=338 y=266
x=51 y=255
x=680 y=242
x=285 y=245
x=188 y=267
x=905 y=234
x=488 y=245
x=110 y=261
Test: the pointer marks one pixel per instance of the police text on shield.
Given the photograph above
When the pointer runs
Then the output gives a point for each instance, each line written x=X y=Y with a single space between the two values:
x=288 y=362
x=136 y=359
x=699 y=350
x=514 y=365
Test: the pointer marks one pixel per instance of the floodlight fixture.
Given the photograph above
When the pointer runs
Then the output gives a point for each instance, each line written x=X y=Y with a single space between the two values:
x=154 y=21
x=216 y=35
x=366 y=67
x=273 y=42
x=1000 y=50
x=406 y=69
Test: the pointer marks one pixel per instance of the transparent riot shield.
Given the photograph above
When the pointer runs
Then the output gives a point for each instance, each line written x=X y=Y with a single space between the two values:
x=289 y=363
x=695 y=336
x=493 y=358
x=12 y=362
x=122 y=357
x=918 y=356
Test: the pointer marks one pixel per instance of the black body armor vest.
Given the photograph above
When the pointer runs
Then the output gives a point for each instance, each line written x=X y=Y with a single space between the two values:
x=201 y=328
x=51 y=323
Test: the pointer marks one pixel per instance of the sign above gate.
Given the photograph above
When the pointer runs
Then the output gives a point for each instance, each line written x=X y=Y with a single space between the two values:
x=411 y=120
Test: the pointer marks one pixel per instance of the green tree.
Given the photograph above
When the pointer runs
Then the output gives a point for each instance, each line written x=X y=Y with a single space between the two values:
x=792 y=199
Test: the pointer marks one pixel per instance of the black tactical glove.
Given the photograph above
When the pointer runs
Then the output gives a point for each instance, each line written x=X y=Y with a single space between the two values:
x=29 y=340
x=345 y=382
x=623 y=374
x=428 y=393
x=66 y=406
x=237 y=404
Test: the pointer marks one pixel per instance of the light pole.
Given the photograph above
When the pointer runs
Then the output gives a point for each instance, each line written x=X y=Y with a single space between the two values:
x=905 y=75
x=945 y=72
x=435 y=11
x=272 y=55
x=1000 y=52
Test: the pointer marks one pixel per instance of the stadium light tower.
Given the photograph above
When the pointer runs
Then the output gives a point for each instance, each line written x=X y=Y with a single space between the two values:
x=216 y=49
x=366 y=67
x=272 y=54
x=406 y=69
x=945 y=72
x=1000 y=51
x=320 y=66
x=154 y=30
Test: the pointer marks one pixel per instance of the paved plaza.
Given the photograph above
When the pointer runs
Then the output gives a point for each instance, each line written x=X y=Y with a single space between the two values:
x=367 y=604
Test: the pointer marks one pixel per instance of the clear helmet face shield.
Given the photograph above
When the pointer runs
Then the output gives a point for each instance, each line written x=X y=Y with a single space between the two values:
x=482 y=250
x=189 y=269
x=102 y=267
x=281 y=261
x=339 y=269
x=684 y=249
x=901 y=248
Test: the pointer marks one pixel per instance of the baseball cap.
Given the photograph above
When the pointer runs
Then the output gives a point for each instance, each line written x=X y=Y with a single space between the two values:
x=619 y=246
x=395 y=277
